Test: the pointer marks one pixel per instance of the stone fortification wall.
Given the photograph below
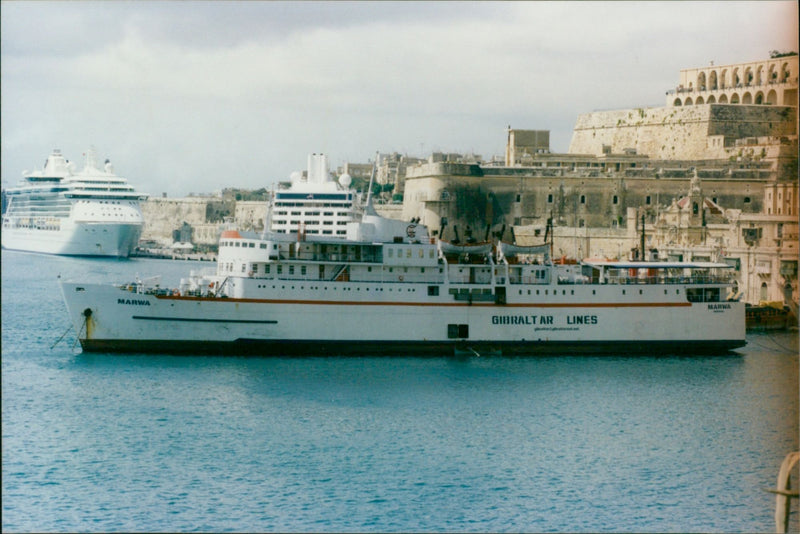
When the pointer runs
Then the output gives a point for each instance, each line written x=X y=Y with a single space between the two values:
x=696 y=132
x=573 y=199
x=164 y=215
x=251 y=215
x=444 y=168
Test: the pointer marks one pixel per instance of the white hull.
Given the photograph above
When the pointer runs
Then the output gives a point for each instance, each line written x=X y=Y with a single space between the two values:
x=59 y=211
x=121 y=320
x=82 y=239
x=388 y=287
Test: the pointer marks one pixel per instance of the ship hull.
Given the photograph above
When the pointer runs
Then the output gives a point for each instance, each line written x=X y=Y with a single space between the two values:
x=80 y=239
x=110 y=319
x=260 y=347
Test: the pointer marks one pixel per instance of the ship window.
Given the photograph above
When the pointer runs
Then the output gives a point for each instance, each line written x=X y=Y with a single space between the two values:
x=408 y=253
x=266 y=269
x=455 y=331
x=238 y=244
x=280 y=269
x=694 y=295
x=263 y=245
x=244 y=267
x=302 y=269
x=252 y=245
x=433 y=291
x=291 y=269
x=391 y=253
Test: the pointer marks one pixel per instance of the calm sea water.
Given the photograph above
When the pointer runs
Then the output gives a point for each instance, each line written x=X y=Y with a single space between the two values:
x=103 y=442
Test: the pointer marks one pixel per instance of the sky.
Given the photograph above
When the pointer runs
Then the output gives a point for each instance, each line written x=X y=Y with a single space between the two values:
x=193 y=97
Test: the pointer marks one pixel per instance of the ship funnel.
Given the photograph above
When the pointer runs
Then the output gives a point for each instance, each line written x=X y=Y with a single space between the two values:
x=317 y=168
x=91 y=159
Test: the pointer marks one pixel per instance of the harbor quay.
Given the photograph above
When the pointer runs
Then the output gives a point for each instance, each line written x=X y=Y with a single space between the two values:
x=711 y=176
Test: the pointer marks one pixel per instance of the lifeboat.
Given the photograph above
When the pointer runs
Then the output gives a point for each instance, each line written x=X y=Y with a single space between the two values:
x=479 y=248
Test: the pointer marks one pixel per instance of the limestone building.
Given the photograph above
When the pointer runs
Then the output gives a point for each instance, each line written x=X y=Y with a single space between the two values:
x=740 y=161
x=746 y=110
x=523 y=145
x=768 y=82
x=204 y=215
x=761 y=247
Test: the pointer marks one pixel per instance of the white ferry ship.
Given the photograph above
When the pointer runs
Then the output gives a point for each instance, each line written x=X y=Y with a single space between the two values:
x=56 y=210
x=388 y=287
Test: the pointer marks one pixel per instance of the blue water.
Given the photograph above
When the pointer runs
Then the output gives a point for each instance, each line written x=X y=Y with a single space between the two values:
x=102 y=442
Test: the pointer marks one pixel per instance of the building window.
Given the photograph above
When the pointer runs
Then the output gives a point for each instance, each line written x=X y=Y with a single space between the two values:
x=647 y=200
x=583 y=199
x=550 y=198
x=615 y=199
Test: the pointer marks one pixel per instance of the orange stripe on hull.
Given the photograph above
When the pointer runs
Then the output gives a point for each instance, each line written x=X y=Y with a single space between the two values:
x=441 y=304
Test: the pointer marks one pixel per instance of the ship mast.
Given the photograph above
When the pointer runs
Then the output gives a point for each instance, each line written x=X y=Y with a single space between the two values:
x=368 y=204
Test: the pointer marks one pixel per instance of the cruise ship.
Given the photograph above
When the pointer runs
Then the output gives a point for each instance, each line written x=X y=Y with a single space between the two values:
x=56 y=210
x=313 y=203
x=388 y=287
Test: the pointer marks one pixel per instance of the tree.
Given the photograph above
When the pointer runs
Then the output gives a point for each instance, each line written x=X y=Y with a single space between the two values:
x=773 y=54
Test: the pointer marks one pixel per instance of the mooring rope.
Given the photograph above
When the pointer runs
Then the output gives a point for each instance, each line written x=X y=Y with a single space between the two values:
x=62 y=337
x=83 y=327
